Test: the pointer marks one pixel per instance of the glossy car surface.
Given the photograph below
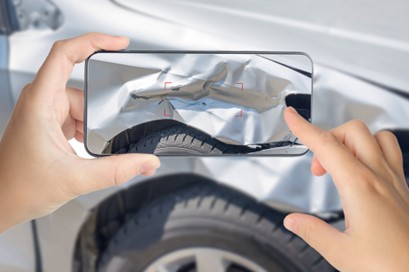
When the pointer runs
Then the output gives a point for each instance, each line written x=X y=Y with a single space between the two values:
x=360 y=52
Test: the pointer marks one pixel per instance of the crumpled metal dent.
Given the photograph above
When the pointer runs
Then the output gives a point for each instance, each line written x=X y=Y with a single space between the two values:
x=237 y=99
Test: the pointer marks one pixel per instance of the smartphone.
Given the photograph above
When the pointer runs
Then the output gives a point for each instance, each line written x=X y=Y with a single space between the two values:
x=195 y=103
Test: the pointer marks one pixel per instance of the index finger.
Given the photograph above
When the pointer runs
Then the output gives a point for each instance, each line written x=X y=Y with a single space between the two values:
x=56 y=70
x=335 y=157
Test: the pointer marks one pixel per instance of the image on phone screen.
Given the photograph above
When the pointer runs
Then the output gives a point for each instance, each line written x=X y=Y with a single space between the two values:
x=195 y=103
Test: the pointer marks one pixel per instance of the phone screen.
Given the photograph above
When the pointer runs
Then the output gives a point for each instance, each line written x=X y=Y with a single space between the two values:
x=192 y=103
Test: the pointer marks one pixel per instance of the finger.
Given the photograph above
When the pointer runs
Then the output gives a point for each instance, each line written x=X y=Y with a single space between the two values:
x=324 y=238
x=79 y=137
x=334 y=157
x=55 y=71
x=68 y=128
x=113 y=170
x=316 y=167
x=76 y=100
x=79 y=126
x=71 y=128
x=356 y=136
x=391 y=151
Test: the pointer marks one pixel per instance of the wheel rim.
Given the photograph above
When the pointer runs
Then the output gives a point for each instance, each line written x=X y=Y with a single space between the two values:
x=201 y=259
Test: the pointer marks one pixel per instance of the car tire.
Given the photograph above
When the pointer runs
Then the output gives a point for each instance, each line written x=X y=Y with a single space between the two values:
x=184 y=140
x=211 y=218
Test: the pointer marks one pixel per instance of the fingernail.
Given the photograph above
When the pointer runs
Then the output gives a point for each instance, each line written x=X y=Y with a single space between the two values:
x=147 y=169
x=120 y=37
x=291 y=109
x=290 y=224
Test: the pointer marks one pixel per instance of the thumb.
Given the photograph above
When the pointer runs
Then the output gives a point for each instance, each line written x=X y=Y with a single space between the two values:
x=114 y=170
x=324 y=238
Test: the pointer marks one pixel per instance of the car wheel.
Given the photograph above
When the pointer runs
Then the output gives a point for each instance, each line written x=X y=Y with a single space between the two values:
x=207 y=228
x=184 y=140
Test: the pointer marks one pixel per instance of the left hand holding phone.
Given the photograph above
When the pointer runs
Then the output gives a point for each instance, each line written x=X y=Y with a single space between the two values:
x=39 y=169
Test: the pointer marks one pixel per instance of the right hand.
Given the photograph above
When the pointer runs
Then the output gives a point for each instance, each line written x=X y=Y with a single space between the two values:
x=368 y=173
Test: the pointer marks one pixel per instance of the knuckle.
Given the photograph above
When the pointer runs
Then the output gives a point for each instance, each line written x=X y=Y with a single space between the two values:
x=358 y=125
x=369 y=182
x=327 y=136
x=93 y=34
x=386 y=134
x=26 y=87
x=307 y=232
x=119 y=175
x=25 y=91
x=58 y=46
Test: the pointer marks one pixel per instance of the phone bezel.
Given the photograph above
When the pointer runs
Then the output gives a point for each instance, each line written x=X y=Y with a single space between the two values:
x=192 y=52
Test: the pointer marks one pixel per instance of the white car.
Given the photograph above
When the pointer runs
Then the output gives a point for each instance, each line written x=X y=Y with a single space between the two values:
x=209 y=214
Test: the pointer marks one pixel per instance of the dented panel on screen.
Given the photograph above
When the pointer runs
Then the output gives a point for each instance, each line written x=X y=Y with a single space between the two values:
x=195 y=103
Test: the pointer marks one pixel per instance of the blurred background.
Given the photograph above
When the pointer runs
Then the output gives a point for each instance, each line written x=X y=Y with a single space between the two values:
x=209 y=214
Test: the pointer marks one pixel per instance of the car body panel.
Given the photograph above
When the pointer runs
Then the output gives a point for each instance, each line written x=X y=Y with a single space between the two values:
x=360 y=52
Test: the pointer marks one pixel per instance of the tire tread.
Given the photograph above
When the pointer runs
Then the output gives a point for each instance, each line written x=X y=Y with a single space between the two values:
x=224 y=204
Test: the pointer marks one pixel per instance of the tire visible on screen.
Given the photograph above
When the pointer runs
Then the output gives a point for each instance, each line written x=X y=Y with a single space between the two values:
x=184 y=140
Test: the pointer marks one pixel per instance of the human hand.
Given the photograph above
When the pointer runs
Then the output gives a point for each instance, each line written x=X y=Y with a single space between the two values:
x=368 y=173
x=39 y=169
